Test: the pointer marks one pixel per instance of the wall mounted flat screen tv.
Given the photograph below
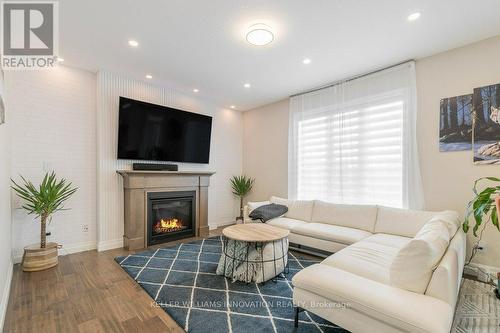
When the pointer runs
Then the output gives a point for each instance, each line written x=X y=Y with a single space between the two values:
x=158 y=133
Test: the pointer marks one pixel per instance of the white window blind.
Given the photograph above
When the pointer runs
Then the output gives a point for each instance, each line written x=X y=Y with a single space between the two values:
x=351 y=143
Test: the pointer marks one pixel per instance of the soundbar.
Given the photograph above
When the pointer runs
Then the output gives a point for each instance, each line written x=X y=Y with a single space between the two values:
x=155 y=167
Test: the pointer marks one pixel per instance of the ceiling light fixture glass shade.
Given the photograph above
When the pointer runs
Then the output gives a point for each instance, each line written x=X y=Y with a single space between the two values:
x=413 y=17
x=259 y=35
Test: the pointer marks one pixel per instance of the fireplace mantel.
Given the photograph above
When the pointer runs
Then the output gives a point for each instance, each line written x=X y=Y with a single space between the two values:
x=136 y=186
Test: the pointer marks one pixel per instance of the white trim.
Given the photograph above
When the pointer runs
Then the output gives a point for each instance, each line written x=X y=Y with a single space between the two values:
x=77 y=247
x=223 y=224
x=5 y=296
x=17 y=254
x=490 y=269
x=109 y=244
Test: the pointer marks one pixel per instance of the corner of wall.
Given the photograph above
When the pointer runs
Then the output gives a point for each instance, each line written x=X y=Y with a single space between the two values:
x=6 y=293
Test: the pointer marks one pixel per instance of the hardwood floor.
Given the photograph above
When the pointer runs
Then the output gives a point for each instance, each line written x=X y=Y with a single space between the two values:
x=86 y=292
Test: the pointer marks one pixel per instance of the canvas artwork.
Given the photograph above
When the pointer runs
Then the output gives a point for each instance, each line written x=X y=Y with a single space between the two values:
x=455 y=123
x=486 y=134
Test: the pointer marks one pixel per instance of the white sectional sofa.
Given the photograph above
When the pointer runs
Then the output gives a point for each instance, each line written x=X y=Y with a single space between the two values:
x=392 y=270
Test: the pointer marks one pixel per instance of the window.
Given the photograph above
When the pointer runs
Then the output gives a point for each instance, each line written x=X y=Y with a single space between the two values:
x=350 y=143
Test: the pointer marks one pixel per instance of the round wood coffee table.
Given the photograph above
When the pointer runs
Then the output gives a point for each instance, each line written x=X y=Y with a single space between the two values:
x=256 y=236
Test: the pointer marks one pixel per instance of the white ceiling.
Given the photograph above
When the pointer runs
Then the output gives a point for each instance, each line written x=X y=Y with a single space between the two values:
x=200 y=44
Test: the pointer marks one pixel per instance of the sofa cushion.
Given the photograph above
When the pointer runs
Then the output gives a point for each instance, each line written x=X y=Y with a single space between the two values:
x=389 y=240
x=297 y=209
x=451 y=220
x=370 y=258
x=285 y=223
x=354 y=216
x=413 y=266
x=402 y=222
x=332 y=233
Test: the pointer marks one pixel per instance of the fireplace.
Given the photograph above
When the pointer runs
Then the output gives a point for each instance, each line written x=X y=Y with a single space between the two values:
x=170 y=216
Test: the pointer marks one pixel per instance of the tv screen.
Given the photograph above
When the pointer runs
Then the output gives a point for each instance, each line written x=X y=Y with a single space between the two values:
x=158 y=133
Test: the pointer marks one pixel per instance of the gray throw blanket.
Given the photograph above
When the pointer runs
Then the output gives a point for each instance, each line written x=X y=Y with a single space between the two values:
x=267 y=212
x=238 y=250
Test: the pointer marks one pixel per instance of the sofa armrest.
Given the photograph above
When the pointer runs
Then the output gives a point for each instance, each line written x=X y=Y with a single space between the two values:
x=447 y=277
x=403 y=309
x=251 y=205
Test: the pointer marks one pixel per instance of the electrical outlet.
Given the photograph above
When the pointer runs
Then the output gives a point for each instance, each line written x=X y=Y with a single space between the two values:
x=85 y=227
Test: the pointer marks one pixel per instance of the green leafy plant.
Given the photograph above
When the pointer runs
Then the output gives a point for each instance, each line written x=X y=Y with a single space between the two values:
x=482 y=207
x=241 y=186
x=44 y=200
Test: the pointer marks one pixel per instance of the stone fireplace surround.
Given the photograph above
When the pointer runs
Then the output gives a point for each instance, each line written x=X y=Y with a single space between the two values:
x=137 y=185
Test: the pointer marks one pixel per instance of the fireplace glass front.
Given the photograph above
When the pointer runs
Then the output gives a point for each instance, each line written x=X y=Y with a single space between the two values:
x=171 y=216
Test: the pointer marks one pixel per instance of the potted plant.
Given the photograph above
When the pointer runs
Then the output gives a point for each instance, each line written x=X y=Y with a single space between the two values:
x=484 y=208
x=42 y=201
x=241 y=186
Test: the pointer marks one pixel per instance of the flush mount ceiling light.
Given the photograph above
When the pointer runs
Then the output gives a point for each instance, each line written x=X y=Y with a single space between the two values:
x=413 y=17
x=149 y=76
x=306 y=61
x=233 y=107
x=133 y=43
x=247 y=85
x=195 y=90
x=259 y=34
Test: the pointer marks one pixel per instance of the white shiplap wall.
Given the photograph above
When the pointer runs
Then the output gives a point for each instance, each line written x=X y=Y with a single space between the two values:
x=225 y=154
x=51 y=116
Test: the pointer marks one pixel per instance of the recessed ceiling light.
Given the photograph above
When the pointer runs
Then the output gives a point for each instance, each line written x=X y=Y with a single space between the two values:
x=59 y=59
x=247 y=85
x=133 y=43
x=233 y=107
x=413 y=17
x=149 y=76
x=259 y=34
x=195 y=90
x=306 y=61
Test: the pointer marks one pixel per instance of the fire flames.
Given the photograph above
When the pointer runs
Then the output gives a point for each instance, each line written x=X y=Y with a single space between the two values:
x=168 y=225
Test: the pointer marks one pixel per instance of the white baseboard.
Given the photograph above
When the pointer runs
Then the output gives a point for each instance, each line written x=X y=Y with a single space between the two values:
x=218 y=225
x=109 y=244
x=487 y=268
x=5 y=296
x=17 y=254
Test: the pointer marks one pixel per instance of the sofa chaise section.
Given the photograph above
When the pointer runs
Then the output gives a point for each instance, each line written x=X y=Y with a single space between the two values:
x=392 y=270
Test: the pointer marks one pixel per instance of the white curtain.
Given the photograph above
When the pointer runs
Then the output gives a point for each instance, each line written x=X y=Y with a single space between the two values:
x=355 y=142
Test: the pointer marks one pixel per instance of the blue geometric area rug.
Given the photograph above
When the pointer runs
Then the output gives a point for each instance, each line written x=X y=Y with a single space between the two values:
x=182 y=280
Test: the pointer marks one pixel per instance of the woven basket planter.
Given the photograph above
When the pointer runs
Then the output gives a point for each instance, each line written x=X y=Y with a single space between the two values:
x=38 y=259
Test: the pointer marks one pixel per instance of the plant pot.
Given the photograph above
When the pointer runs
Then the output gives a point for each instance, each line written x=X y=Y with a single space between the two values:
x=38 y=259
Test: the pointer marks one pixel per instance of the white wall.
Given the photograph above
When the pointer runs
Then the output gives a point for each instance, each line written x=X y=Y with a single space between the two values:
x=225 y=154
x=52 y=120
x=66 y=120
x=265 y=153
x=5 y=218
x=447 y=177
